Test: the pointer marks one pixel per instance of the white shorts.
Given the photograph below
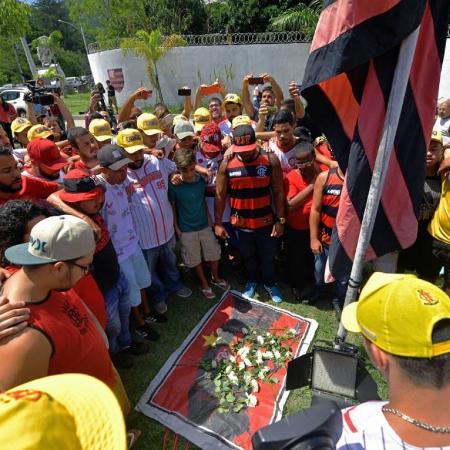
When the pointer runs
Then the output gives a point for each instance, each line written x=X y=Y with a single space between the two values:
x=137 y=274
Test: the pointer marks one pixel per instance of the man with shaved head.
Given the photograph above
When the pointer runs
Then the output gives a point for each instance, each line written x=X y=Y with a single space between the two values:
x=443 y=121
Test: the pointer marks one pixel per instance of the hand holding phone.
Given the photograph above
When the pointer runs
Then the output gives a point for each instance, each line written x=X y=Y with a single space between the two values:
x=211 y=89
x=184 y=92
x=256 y=80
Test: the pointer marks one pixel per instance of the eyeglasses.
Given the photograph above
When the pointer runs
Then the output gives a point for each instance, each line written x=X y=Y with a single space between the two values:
x=86 y=269
x=301 y=164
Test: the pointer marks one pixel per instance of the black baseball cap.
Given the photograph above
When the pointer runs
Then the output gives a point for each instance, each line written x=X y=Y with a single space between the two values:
x=244 y=139
x=112 y=157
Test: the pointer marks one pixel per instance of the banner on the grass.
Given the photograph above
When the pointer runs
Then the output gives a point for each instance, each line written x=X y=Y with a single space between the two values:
x=182 y=397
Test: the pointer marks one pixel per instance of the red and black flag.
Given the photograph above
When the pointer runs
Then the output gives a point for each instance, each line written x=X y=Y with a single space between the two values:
x=347 y=83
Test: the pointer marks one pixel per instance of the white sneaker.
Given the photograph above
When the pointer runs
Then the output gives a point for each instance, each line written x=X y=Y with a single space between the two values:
x=183 y=292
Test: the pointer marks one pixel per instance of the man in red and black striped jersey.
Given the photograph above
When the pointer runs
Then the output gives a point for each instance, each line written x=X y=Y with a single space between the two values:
x=326 y=197
x=254 y=183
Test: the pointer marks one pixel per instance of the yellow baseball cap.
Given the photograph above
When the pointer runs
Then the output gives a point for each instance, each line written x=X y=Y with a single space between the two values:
x=232 y=98
x=436 y=135
x=397 y=312
x=62 y=411
x=131 y=140
x=20 y=124
x=149 y=124
x=241 y=120
x=201 y=117
x=100 y=129
x=39 y=131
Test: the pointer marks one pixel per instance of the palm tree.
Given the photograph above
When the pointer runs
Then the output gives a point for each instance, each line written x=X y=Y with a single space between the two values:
x=302 y=18
x=152 y=47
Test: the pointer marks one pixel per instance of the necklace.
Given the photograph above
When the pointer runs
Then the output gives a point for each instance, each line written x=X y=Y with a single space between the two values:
x=416 y=422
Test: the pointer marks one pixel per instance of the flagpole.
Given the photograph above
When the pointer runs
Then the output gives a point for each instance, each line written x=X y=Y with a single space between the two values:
x=394 y=108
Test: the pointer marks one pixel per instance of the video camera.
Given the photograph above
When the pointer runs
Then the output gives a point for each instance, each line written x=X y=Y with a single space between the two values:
x=38 y=95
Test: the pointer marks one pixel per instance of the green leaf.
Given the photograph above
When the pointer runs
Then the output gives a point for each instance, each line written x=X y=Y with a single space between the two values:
x=230 y=397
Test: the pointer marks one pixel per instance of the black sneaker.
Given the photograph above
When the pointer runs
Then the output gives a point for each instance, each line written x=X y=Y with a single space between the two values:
x=122 y=360
x=147 y=332
x=155 y=317
x=138 y=348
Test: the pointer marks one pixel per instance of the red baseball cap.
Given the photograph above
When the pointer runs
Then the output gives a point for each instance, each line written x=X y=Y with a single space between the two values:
x=79 y=186
x=211 y=138
x=46 y=153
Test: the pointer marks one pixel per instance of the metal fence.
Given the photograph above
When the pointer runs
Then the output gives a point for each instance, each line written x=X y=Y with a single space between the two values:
x=283 y=37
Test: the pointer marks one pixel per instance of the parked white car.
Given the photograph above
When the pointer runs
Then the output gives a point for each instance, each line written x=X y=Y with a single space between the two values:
x=15 y=96
x=73 y=82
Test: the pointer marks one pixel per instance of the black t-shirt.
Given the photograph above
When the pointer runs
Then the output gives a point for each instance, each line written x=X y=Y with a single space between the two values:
x=111 y=91
x=430 y=198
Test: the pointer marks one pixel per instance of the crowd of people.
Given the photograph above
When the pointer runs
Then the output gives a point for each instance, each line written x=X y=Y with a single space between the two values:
x=90 y=218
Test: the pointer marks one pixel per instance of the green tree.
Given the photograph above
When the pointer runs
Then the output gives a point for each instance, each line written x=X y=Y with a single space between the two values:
x=14 y=17
x=152 y=47
x=300 y=18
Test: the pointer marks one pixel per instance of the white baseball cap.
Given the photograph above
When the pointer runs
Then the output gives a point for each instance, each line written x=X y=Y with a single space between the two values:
x=58 y=238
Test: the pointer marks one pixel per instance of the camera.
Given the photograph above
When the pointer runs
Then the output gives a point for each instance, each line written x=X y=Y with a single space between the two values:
x=39 y=96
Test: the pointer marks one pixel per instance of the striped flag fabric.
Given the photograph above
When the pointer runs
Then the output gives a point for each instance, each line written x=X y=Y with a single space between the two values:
x=347 y=82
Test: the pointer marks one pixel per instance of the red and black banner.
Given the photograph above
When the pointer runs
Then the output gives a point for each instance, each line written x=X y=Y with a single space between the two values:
x=182 y=397
x=347 y=83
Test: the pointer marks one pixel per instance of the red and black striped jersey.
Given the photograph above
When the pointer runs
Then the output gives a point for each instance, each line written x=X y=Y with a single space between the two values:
x=250 y=193
x=331 y=193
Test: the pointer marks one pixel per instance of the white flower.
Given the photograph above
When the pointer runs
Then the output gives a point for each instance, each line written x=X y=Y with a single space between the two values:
x=293 y=331
x=241 y=365
x=276 y=354
x=228 y=369
x=232 y=358
x=272 y=341
x=233 y=378
x=260 y=340
x=255 y=385
x=244 y=330
x=247 y=362
x=243 y=352
x=214 y=364
x=259 y=357
x=251 y=400
x=267 y=355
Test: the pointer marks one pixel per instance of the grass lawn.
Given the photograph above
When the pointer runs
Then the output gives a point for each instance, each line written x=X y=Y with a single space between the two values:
x=183 y=315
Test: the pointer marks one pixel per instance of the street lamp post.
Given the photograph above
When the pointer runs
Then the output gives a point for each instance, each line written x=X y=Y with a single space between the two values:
x=82 y=34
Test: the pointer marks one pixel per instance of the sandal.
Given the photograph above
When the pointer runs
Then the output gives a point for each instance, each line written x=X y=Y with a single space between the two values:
x=223 y=284
x=132 y=436
x=208 y=293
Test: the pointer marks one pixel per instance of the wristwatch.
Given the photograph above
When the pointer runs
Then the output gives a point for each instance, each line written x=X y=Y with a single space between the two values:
x=281 y=220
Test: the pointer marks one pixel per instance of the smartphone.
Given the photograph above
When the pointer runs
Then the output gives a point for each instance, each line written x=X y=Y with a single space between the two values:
x=45 y=99
x=184 y=92
x=147 y=94
x=211 y=89
x=256 y=80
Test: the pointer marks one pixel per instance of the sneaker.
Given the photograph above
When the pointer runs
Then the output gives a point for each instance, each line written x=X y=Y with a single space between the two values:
x=222 y=284
x=208 y=293
x=138 y=348
x=274 y=293
x=147 y=332
x=160 y=307
x=249 y=290
x=183 y=292
x=155 y=317
x=122 y=360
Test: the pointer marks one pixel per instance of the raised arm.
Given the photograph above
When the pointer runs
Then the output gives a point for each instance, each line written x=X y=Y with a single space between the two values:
x=246 y=100
x=70 y=123
x=140 y=94
x=278 y=93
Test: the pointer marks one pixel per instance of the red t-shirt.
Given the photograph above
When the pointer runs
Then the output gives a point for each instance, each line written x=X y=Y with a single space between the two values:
x=32 y=189
x=82 y=166
x=9 y=115
x=78 y=345
x=294 y=183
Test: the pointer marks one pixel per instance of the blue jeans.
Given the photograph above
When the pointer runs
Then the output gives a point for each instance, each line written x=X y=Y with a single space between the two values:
x=339 y=287
x=162 y=263
x=257 y=249
x=118 y=307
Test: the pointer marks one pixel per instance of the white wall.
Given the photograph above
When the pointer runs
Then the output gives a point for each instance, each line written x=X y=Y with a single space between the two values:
x=194 y=65
x=444 y=87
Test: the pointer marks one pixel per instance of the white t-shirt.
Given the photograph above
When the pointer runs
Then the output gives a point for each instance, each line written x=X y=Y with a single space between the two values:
x=443 y=125
x=117 y=216
x=213 y=165
x=147 y=188
x=287 y=159
x=366 y=428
